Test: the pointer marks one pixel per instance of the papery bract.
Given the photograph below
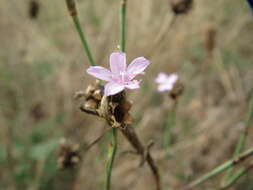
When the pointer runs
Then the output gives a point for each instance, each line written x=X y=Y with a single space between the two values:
x=120 y=76
x=166 y=82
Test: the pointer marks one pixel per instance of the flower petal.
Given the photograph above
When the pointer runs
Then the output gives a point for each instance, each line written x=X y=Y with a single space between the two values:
x=99 y=72
x=164 y=87
x=118 y=62
x=161 y=78
x=137 y=66
x=133 y=84
x=112 y=88
x=172 y=78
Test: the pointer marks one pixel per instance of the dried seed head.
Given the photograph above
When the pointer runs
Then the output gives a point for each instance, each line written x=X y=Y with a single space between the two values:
x=71 y=7
x=37 y=112
x=114 y=109
x=93 y=95
x=34 y=8
x=181 y=6
x=91 y=104
x=123 y=3
x=177 y=91
x=68 y=155
x=97 y=94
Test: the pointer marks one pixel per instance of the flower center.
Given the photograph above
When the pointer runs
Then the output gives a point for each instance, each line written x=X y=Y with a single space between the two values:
x=121 y=78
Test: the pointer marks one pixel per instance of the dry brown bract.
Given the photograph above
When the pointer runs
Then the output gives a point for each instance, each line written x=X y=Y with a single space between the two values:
x=114 y=109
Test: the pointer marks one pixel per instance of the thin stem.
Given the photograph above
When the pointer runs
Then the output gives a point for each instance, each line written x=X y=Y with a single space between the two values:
x=133 y=139
x=111 y=156
x=242 y=139
x=220 y=169
x=113 y=148
x=170 y=123
x=73 y=13
x=10 y=158
x=233 y=179
x=35 y=183
x=99 y=138
x=160 y=39
x=123 y=25
x=83 y=40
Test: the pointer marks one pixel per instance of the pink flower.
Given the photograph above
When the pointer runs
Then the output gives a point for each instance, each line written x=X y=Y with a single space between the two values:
x=166 y=82
x=121 y=76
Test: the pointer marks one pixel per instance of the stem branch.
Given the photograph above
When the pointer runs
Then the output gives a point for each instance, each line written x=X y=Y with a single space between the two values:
x=131 y=136
x=220 y=169
x=170 y=123
x=242 y=139
x=233 y=179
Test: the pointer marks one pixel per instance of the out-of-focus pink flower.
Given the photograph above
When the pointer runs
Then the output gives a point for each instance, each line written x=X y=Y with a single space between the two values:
x=166 y=82
x=121 y=76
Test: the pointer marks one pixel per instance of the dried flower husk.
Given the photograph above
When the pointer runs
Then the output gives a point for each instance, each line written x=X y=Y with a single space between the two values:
x=71 y=5
x=181 y=6
x=177 y=91
x=93 y=96
x=34 y=8
x=114 y=109
x=68 y=154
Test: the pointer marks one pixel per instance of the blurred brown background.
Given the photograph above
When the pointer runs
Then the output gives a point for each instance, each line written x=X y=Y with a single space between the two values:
x=42 y=65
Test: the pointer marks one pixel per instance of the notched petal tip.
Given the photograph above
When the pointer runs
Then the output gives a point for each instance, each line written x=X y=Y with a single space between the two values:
x=118 y=62
x=138 y=65
x=161 y=77
x=112 y=88
x=133 y=84
x=164 y=87
x=173 y=77
x=99 y=72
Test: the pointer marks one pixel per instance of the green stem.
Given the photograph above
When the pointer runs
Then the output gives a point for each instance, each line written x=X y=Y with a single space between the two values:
x=123 y=25
x=233 y=179
x=71 y=5
x=242 y=139
x=170 y=123
x=111 y=156
x=83 y=40
x=220 y=169
x=113 y=148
